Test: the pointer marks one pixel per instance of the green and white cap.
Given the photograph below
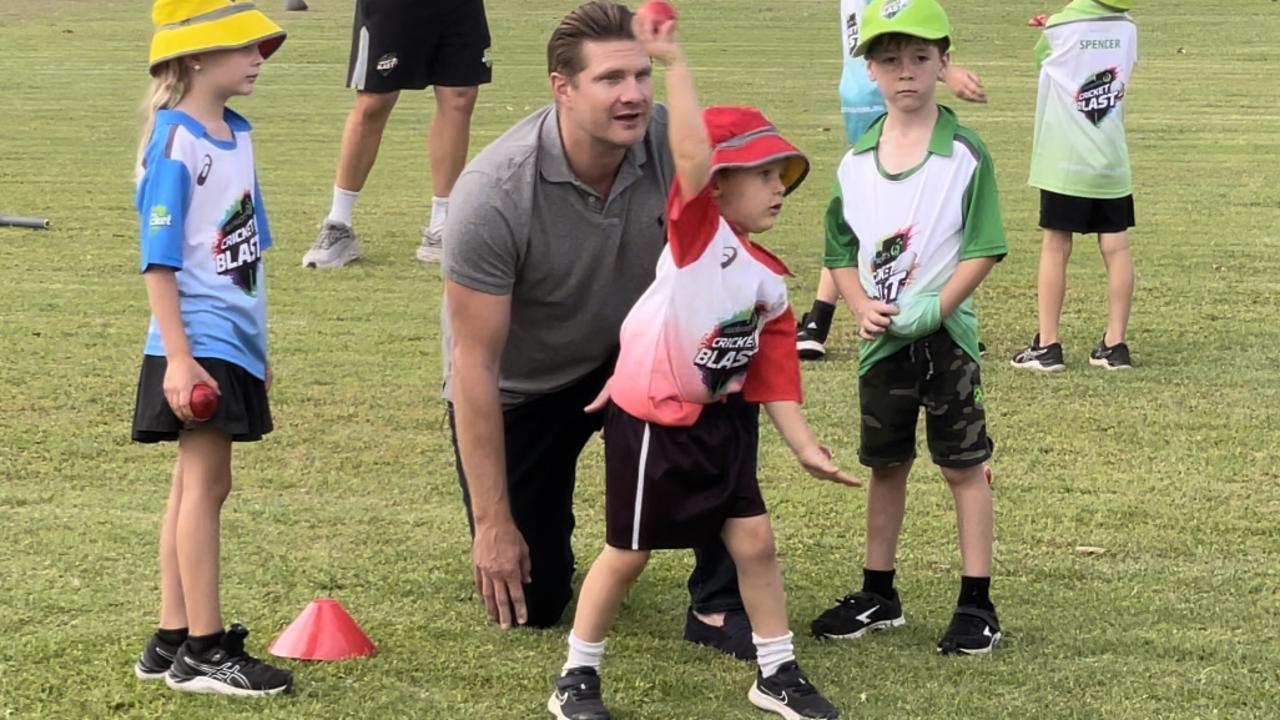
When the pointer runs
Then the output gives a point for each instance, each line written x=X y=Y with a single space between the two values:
x=918 y=18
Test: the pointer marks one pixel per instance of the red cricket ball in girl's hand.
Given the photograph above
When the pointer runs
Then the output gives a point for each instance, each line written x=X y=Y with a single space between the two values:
x=204 y=401
x=658 y=12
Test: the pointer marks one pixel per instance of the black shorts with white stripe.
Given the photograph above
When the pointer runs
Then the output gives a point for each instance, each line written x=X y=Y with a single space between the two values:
x=411 y=44
x=674 y=487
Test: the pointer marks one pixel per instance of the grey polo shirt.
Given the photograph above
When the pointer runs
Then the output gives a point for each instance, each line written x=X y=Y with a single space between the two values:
x=573 y=262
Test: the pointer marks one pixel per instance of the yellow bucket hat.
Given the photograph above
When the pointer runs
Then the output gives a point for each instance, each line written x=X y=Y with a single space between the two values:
x=186 y=27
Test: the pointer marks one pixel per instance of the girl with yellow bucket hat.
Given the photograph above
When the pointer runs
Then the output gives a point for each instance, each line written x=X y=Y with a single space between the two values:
x=205 y=375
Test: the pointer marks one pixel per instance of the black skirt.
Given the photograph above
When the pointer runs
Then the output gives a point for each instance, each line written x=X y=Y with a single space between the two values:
x=243 y=411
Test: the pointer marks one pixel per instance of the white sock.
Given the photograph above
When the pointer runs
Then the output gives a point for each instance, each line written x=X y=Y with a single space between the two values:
x=439 y=210
x=344 y=201
x=583 y=654
x=771 y=653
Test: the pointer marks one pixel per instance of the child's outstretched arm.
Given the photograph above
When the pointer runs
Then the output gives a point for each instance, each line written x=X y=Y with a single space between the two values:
x=183 y=371
x=689 y=144
x=815 y=458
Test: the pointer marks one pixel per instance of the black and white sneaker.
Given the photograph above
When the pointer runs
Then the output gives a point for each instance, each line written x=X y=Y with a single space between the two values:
x=577 y=696
x=973 y=631
x=1043 y=359
x=858 y=614
x=1115 y=357
x=155 y=660
x=227 y=670
x=790 y=694
x=807 y=343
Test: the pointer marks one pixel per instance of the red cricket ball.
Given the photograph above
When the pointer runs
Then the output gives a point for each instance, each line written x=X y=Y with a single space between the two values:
x=658 y=11
x=204 y=402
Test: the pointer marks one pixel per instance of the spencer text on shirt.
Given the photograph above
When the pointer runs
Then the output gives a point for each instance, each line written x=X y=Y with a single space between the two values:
x=1087 y=55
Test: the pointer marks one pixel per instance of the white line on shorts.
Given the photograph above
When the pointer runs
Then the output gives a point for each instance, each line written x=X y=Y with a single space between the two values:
x=644 y=460
x=361 y=68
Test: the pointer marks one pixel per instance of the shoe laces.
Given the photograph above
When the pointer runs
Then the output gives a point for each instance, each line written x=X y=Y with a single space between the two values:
x=792 y=679
x=329 y=234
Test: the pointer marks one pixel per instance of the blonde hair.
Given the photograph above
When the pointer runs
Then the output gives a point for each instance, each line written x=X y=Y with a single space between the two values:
x=169 y=83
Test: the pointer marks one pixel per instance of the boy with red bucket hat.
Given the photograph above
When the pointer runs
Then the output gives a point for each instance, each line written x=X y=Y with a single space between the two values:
x=708 y=342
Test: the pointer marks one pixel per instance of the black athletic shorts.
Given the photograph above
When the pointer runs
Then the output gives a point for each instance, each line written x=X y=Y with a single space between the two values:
x=1085 y=215
x=243 y=411
x=673 y=487
x=934 y=372
x=410 y=44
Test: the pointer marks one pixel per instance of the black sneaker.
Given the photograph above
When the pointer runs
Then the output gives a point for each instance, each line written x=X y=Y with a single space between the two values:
x=1044 y=359
x=155 y=660
x=732 y=638
x=227 y=670
x=973 y=631
x=790 y=694
x=1115 y=357
x=858 y=614
x=807 y=342
x=577 y=696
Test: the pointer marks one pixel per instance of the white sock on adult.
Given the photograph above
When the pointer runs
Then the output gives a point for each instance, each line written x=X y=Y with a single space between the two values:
x=772 y=653
x=439 y=210
x=583 y=654
x=344 y=201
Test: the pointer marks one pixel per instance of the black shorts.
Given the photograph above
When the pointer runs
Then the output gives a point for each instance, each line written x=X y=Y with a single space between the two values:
x=934 y=372
x=410 y=44
x=673 y=487
x=1085 y=215
x=243 y=411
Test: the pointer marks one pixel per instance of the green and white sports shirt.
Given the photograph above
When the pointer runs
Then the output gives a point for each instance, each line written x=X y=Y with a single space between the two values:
x=906 y=233
x=1087 y=55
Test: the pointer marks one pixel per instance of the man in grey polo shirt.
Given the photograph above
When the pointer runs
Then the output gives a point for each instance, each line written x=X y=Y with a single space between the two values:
x=554 y=232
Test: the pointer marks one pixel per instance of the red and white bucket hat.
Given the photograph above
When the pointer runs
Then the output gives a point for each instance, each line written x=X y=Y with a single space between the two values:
x=742 y=137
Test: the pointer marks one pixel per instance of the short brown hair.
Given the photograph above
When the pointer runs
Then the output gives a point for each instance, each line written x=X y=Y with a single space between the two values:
x=898 y=40
x=594 y=20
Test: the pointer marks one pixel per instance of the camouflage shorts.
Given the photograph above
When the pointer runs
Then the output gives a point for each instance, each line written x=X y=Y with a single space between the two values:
x=938 y=374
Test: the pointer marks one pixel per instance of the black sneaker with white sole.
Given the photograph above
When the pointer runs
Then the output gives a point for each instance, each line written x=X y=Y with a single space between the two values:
x=577 y=696
x=790 y=694
x=227 y=670
x=1043 y=359
x=973 y=631
x=857 y=614
x=1115 y=357
x=808 y=340
x=155 y=660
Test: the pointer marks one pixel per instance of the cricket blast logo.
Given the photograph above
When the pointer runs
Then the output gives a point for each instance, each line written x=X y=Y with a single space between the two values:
x=893 y=265
x=1099 y=95
x=235 y=247
x=725 y=351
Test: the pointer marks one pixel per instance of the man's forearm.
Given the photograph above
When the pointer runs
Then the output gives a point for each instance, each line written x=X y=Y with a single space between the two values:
x=477 y=408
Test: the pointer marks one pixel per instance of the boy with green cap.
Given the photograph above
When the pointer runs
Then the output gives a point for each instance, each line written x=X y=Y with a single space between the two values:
x=1080 y=162
x=912 y=230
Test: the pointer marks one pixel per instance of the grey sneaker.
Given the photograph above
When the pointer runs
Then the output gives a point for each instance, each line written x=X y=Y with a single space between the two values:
x=335 y=247
x=432 y=248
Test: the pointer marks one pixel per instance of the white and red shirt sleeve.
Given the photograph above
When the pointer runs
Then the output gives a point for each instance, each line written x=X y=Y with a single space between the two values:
x=715 y=322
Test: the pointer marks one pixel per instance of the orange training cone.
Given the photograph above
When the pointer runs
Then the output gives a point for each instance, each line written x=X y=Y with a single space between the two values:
x=323 y=631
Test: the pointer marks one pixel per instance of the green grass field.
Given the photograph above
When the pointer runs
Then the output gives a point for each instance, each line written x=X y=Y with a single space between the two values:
x=1172 y=468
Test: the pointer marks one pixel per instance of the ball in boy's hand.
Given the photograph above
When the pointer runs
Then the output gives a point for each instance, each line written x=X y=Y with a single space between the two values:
x=658 y=12
x=204 y=402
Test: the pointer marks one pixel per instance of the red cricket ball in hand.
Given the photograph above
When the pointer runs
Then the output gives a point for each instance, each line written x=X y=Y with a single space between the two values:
x=658 y=12
x=204 y=401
